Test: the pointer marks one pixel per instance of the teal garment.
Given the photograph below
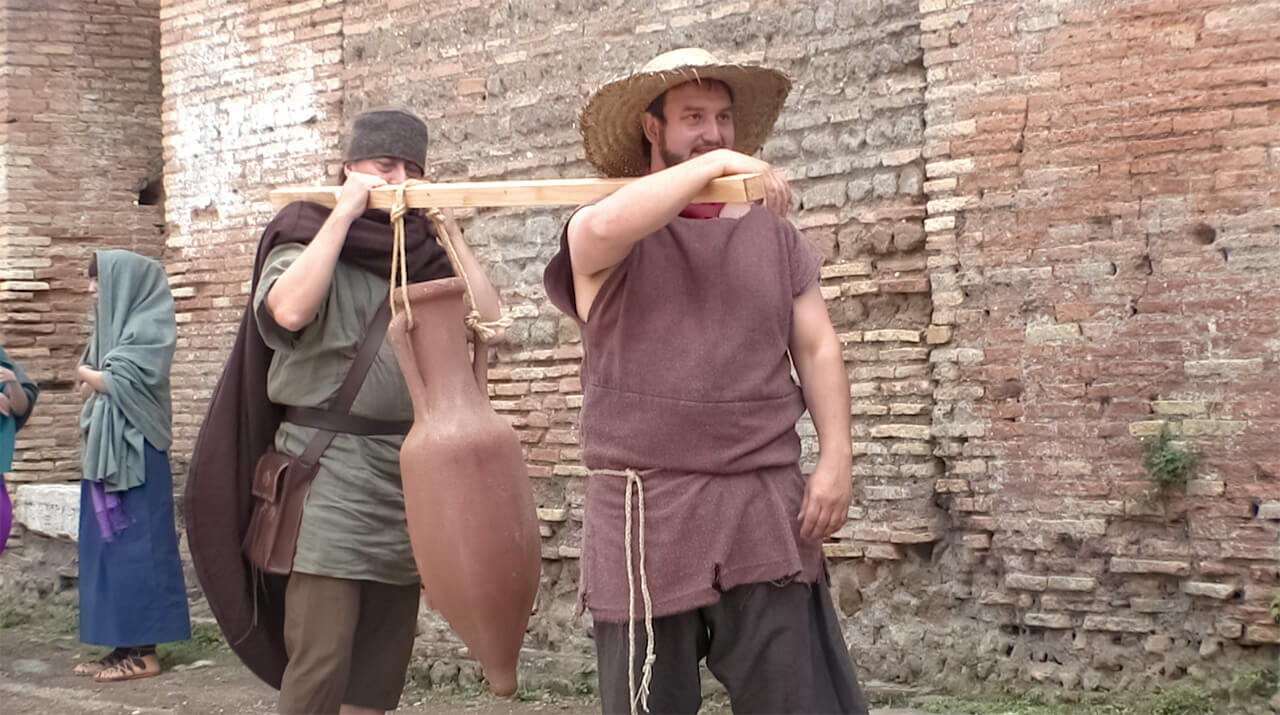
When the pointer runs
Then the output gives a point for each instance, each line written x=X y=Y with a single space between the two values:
x=133 y=341
x=10 y=424
x=8 y=431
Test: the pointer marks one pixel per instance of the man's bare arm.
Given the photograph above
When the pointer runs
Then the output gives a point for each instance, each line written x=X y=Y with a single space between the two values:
x=601 y=235
x=815 y=350
x=295 y=298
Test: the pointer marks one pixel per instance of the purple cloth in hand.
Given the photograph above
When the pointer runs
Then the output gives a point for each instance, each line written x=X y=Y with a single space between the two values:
x=109 y=511
x=6 y=515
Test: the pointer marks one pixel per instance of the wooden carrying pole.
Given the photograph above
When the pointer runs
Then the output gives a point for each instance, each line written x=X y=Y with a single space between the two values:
x=550 y=192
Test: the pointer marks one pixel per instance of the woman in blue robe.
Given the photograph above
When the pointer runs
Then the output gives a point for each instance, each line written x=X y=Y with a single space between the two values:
x=132 y=592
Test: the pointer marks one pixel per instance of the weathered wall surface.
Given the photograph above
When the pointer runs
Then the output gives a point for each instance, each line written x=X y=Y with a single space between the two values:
x=252 y=100
x=80 y=116
x=1048 y=227
x=500 y=85
x=1103 y=243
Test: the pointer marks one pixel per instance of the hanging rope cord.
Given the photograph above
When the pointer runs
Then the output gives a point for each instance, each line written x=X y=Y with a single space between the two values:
x=399 y=266
x=638 y=696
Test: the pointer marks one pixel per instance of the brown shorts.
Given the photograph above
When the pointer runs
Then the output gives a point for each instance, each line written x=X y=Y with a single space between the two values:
x=348 y=643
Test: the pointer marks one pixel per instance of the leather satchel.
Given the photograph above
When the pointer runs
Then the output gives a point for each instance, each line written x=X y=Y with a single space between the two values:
x=281 y=481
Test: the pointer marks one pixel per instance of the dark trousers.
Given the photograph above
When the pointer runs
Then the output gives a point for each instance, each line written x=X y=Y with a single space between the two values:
x=777 y=649
x=348 y=642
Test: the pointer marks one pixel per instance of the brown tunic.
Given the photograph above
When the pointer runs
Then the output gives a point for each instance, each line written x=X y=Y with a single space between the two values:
x=686 y=371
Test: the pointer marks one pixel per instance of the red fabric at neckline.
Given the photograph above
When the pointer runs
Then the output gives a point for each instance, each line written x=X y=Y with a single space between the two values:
x=702 y=211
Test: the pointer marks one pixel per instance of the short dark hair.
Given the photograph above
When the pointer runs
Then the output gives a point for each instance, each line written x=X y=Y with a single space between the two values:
x=658 y=107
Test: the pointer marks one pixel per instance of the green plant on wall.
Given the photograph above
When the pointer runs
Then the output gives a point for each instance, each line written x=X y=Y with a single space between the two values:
x=1168 y=464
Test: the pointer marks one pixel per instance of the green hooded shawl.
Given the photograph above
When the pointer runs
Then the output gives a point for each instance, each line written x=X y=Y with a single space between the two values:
x=134 y=336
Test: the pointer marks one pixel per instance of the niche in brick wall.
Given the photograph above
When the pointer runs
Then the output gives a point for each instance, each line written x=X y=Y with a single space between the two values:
x=150 y=191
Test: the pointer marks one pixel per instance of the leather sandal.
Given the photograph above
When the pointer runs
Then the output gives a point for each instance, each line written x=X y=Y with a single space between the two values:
x=130 y=667
x=94 y=667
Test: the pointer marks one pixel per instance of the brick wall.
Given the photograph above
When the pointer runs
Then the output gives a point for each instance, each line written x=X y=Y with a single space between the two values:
x=501 y=94
x=1103 y=243
x=1047 y=230
x=80 y=145
x=252 y=100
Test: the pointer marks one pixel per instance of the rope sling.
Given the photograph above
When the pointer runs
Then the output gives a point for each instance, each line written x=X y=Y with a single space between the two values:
x=484 y=331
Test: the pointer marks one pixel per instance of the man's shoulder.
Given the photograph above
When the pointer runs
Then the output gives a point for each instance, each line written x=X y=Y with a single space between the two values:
x=299 y=218
x=285 y=252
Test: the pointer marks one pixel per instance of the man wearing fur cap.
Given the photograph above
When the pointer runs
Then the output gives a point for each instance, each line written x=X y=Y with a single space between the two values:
x=337 y=632
x=702 y=538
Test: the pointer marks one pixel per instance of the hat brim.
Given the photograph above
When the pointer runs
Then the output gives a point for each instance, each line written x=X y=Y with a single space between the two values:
x=610 y=124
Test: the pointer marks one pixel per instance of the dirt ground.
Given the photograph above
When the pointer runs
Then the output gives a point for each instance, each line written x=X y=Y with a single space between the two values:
x=36 y=679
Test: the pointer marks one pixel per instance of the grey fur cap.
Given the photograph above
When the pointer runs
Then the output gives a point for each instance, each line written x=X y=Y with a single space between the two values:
x=388 y=132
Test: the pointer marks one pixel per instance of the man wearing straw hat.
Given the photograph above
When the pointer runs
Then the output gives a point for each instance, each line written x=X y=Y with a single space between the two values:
x=336 y=634
x=702 y=539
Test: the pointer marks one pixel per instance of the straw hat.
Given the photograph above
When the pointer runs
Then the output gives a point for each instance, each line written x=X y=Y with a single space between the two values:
x=610 y=125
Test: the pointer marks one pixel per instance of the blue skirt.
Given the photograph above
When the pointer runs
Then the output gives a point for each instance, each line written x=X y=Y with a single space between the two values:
x=132 y=591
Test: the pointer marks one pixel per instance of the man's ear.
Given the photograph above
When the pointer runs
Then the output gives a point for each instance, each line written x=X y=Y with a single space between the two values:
x=652 y=127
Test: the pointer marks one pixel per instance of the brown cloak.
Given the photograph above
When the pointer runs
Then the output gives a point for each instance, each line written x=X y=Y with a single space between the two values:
x=241 y=425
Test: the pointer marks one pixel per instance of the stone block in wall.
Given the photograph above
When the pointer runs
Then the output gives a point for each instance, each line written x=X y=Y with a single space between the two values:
x=1184 y=408
x=1118 y=624
x=1157 y=605
x=1268 y=510
x=1260 y=635
x=1223 y=368
x=1072 y=583
x=1218 y=591
x=49 y=509
x=1059 y=621
x=1229 y=629
x=1157 y=644
x=1168 y=568
x=1206 y=488
x=1026 y=582
x=1213 y=428
x=1048 y=333
x=951 y=486
x=843 y=550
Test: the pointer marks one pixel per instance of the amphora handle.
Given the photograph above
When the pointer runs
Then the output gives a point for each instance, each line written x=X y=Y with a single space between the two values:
x=480 y=363
x=406 y=356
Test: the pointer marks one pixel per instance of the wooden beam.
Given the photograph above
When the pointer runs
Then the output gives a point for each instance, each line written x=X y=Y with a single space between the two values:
x=550 y=192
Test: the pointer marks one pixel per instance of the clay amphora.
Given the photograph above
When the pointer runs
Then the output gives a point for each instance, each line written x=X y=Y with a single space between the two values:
x=466 y=489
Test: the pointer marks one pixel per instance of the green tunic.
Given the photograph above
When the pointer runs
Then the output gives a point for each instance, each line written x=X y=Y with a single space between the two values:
x=353 y=522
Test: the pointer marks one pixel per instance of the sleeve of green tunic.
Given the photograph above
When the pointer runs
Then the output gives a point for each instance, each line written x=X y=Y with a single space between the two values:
x=353 y=524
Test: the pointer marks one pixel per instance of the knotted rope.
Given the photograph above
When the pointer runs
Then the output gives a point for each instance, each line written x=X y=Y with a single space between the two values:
x=641 y=695
x=482 y=329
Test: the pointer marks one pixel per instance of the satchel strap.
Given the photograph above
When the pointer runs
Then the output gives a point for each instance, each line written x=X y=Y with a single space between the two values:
x=341 y=405
x=369 y=346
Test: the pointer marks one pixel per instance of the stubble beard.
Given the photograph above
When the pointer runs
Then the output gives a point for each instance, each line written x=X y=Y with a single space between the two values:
x=670 y=158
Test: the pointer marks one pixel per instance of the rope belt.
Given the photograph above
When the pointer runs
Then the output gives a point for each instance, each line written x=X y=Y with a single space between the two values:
x=640 y=696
